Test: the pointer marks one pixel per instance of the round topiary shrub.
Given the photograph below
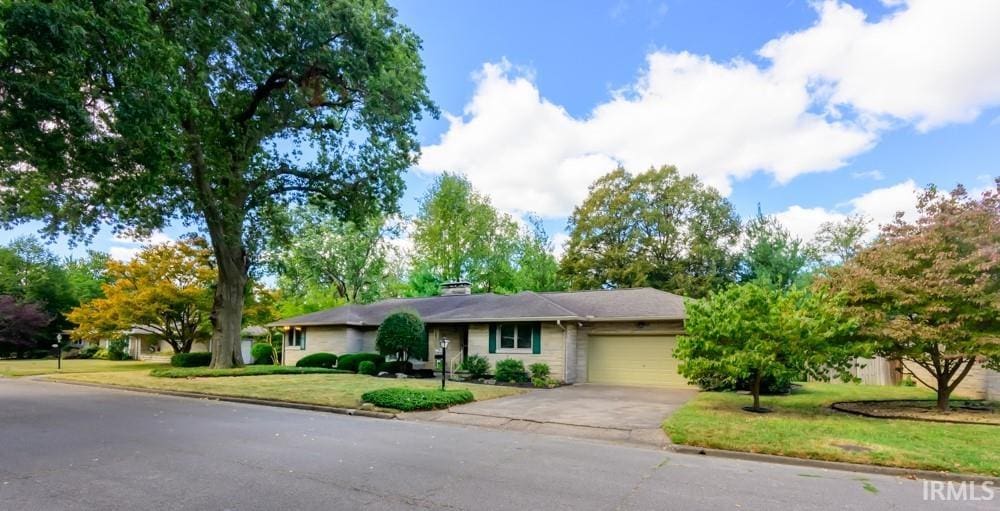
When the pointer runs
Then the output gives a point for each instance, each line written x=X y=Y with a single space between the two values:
x=367 y=367
x=350 y=361
x=400 y=335
x=327 y=360
x=262 y=353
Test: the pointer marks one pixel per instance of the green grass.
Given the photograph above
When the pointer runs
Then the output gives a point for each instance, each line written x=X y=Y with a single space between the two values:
x=205 y=372
x=14 y=368
x=342 y=390
x=802 y=425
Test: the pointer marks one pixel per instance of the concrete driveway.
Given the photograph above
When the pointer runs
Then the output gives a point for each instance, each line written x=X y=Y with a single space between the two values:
x=631 y=414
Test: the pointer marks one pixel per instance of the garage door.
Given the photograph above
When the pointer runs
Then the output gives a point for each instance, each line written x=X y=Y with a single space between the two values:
x=633 y=360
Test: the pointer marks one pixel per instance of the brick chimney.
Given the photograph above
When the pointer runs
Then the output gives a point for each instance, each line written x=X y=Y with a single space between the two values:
x=456 y=288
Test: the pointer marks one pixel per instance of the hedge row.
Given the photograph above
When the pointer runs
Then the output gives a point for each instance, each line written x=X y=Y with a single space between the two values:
x=407 y=400
x=200 y=359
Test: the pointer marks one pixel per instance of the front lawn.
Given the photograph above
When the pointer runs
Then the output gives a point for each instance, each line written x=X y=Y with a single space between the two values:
x=341 y=390
x=803 y=425
x=13 y=368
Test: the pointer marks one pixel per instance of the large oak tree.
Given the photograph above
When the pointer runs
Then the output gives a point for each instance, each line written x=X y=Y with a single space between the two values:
x=212 y=113
x=658 y=228
x=927 y=292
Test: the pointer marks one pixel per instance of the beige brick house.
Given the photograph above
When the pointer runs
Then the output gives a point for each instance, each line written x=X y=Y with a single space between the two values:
x=620 y=336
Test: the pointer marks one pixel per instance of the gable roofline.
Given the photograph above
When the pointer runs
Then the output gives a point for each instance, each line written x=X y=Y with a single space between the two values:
x=635 y=304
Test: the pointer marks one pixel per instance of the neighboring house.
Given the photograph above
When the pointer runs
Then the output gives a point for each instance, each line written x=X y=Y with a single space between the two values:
x=143 y=344
x=619 y=336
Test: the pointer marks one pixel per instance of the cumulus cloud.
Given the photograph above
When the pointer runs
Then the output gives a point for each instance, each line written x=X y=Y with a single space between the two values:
x=879 y=205
x=824 y=95
x=930 y=63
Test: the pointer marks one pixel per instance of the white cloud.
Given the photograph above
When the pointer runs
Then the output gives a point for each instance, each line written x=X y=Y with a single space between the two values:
x=874 y=175
x=559 y=242
x=125 y=246
x=826 y=95
x=880 y=205
x=720 y=121
x=930 y=63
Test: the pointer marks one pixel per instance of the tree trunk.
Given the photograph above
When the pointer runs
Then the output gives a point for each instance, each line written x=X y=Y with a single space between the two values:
x=756 y=391
x=227 y=307
x=943 y=398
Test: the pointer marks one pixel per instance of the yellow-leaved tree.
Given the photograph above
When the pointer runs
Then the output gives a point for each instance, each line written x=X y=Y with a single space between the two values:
x=166 y=290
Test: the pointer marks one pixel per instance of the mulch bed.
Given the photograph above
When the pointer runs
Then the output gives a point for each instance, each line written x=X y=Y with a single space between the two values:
x=962 y=411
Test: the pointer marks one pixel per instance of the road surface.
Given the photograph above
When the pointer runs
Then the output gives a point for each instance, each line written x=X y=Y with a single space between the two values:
x=66 y=447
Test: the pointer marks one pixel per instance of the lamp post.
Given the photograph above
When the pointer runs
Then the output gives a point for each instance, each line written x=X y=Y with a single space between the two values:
x=58 y=347
x=444 y=360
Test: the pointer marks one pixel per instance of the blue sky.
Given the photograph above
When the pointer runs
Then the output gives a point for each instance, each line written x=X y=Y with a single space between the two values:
x=813 y=110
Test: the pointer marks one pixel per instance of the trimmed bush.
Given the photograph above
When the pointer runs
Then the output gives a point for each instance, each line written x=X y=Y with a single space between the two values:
x=367 y=367
x=89 y=351
x=401 y=334
x=350 y=361
x=539 y=371
x=200 y=359
x=407 y=399
x=327 y=360
x=511 y=370
x=478 y=366
x=396 y=366
x=262 y=353
x=101 y=353
x=252 y=370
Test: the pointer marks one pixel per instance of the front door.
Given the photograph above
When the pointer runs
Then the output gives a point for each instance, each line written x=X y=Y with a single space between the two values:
x=458 y=343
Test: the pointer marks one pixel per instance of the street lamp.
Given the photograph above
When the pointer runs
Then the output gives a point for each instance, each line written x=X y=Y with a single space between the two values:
x=444 y=360
x=58 y=347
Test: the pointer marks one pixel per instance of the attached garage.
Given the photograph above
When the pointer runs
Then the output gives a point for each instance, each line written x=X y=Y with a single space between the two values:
x=633 y=360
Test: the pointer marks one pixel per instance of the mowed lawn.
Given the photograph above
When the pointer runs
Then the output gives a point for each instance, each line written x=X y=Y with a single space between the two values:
x=14 y=368
x=802 y=425
x=341 y=390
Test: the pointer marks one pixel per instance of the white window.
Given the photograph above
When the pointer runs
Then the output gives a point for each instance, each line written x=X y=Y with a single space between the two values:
x=515 y=337
x=297 y=337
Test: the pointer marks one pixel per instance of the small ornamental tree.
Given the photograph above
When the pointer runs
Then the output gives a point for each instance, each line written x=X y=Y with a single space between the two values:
x=927 y=293
x=756 y=331
x=401 y=334
x=21 y=323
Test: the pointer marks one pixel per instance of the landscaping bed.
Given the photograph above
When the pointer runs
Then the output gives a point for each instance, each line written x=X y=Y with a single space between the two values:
x=804 y=425
x=325 y=389
x=962 y=411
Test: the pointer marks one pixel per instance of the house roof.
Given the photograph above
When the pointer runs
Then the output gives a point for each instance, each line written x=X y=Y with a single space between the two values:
x=639 y=304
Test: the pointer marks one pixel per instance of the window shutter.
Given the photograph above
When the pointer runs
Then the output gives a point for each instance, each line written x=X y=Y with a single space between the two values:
x=493 y=338
x=304 y=337
x=536 y=339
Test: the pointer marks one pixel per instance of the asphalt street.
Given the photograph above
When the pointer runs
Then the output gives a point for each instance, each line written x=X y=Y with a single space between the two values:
x=65 y=447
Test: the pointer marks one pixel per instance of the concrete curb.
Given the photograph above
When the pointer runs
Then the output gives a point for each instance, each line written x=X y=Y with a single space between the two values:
x=834 y=465
x=233 y=399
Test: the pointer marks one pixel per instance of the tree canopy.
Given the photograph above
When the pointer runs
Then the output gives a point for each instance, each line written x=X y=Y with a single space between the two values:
x=349 y=261
x=135 y=114
x=166 y=290
x=459 y=235
x=757 y=331
x=658 y=229
x=928 y=292
x=21 y=324
x=771 y=254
